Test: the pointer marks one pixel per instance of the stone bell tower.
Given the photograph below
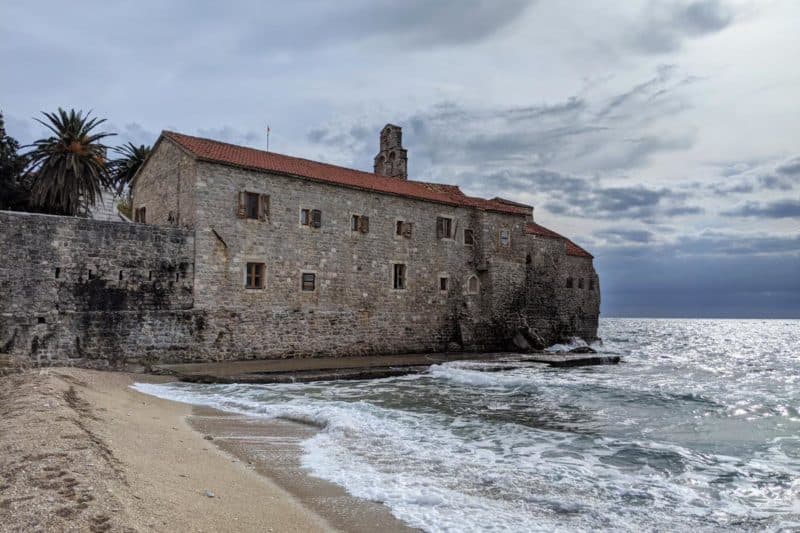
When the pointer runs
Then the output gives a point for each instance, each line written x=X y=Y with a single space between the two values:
x=392 y=160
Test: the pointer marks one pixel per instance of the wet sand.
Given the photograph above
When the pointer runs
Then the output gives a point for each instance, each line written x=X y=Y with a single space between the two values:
x=273 y=448
x=81 y=451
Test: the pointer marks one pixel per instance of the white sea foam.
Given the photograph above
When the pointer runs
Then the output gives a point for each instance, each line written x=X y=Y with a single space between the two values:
x=652 y=444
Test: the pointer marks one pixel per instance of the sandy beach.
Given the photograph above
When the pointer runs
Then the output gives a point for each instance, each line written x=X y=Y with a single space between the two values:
x=82 y=451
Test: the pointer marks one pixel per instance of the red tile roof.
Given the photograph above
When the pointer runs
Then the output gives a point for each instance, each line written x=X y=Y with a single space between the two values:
x=531 y=228
x=252 y=159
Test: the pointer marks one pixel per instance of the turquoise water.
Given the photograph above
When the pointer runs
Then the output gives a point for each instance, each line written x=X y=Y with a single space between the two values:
x=698 y=429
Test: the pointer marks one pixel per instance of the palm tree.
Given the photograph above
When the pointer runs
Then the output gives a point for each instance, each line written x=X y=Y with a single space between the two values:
x=68 y=169
x=125 y=167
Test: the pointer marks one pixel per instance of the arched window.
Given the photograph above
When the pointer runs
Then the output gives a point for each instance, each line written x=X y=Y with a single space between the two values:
x=473 y=285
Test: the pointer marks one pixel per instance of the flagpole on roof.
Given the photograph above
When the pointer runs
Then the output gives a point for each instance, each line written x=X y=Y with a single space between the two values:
x=267 y=137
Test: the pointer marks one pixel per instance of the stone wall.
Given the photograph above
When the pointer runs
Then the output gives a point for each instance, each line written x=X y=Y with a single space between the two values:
x=165 y=186
x=354 y=308
x=84 y=290
x=551 y=307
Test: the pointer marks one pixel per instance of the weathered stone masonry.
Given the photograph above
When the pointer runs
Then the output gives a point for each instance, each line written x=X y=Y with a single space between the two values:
x=182 y=293
x=92 y=292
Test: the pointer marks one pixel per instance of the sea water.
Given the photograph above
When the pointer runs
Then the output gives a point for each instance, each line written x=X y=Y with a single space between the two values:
x=697 y=430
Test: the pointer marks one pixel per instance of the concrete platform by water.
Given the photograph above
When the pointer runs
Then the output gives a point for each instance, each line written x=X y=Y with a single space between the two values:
x=356 y=367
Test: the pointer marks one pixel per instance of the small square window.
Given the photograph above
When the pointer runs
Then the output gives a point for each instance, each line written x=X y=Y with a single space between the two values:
x=309 y=281
x=505 y=237
x=254 y=276
x=359 y=223
x=251 y=205
x=305 y=217
x=469 y=237
x=444 y=228
x=443 y=282
x=399 y=277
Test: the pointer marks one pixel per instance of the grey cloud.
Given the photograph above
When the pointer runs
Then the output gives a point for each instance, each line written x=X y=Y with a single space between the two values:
x=576 y=134
x=233 y=135
x=412 y=23
x=776 y=183
x=665 y=26
x=776 y=209
x=726 y=188
x=626 y=235
x=789 y=168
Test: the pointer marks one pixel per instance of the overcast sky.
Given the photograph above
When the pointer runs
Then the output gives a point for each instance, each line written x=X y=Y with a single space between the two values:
x=664 y=136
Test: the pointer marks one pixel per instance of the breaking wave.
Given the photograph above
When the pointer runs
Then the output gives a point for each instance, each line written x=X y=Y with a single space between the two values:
x=692 y=432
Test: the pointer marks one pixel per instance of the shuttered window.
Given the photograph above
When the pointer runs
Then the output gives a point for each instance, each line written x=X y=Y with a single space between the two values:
x=360 y=223
x=309 y=281
x=253 y=206
x=444 y=228
x=254 y=276
x=404 y=229
x=399 y=276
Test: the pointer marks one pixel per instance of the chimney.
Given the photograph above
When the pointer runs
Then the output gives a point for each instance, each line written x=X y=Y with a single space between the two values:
x=392 y=159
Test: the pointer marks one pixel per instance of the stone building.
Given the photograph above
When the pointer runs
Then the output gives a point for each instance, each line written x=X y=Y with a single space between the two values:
x=237 y=253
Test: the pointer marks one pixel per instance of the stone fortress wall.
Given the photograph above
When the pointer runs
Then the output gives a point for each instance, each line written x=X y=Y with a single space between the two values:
x=174 y=289
x=92 y=292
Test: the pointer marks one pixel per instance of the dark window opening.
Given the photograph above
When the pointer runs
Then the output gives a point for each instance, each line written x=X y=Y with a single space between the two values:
x=399 y=278
x=309 y=281
x=58 y=272
x=443 y=283
x=140 y=215
x=591 y=284
x=90 y=274
x=149 y=275
x=444 y=228
x=251 y=205
x=255 y=276
x=316 y=218
x=569 y=283
x=528 y=259
x=40 y=320
x=580 y=283
x=404 y=229
x=120 y=275
x=359 y=223
x=177 y=276
x=469 y=237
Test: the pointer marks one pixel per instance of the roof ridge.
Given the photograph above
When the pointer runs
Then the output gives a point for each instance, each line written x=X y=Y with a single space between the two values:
x=279 y=154
x=225 y=153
